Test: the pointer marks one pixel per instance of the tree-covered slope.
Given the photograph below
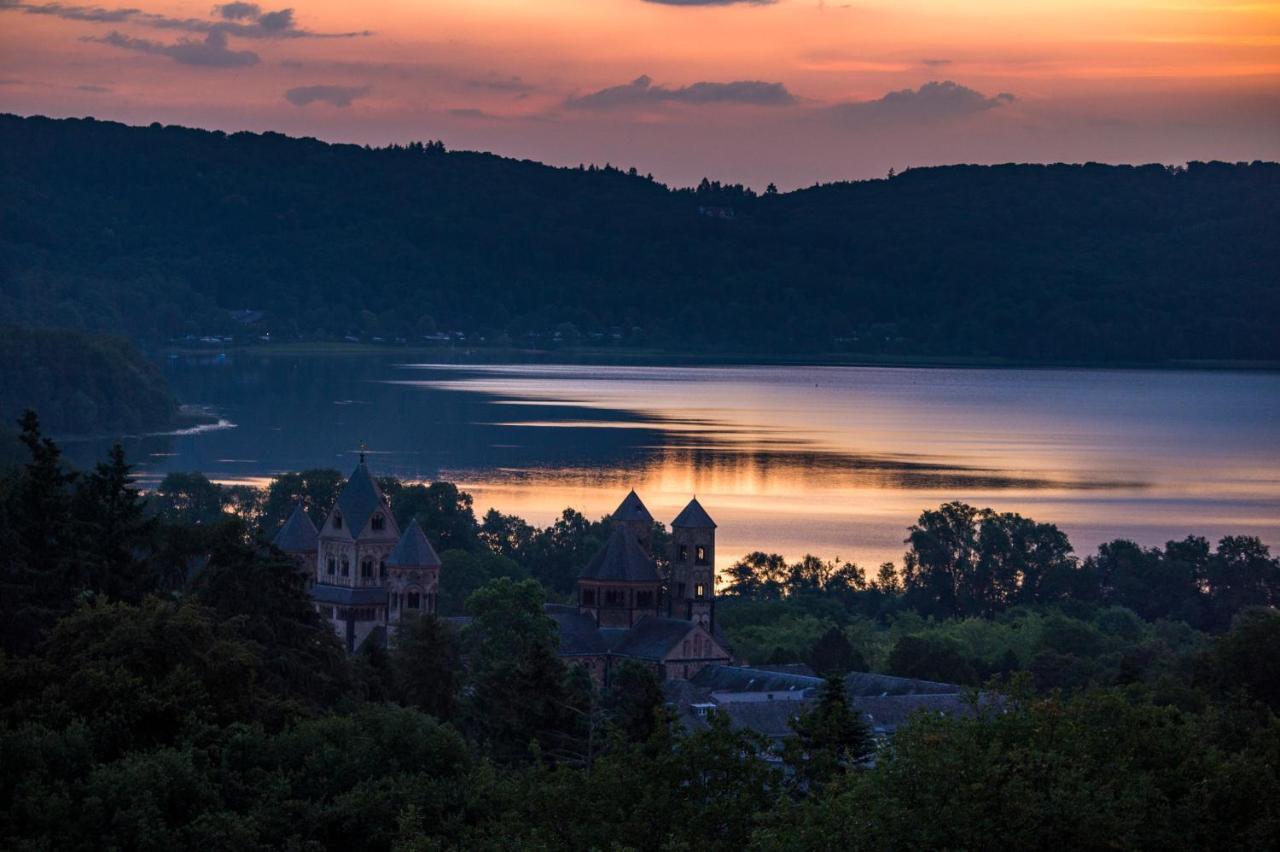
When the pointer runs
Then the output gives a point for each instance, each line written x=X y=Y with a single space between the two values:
x=161 y=231
x=80 y=383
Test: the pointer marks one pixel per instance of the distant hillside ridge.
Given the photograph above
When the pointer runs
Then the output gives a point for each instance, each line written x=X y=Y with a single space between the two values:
x=166 y=232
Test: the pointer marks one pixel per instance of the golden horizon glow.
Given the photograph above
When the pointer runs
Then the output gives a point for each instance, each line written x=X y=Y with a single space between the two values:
x=1145 y=80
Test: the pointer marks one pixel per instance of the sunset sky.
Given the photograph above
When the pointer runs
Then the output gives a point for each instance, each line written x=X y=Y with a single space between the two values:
x=793 y=91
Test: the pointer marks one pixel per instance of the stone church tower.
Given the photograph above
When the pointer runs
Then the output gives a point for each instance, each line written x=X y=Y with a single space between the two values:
x=620 y=585
x=633 y=516
x=413 y=575
x=693 y=566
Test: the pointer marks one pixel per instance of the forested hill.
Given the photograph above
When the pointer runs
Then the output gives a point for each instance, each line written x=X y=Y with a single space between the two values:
x=161 y=232
x=79 y=384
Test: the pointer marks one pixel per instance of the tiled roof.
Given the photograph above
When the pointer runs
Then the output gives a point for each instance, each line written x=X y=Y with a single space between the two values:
x=622 y=560
x=345 y=596
x=866 y=683
x=359 y=498
x=771 y=718
x=298 y=535
x=632 y=508
x=578 y=632
x=413 y=550
x=652 y=638
x=694 y=516
x=744 y=679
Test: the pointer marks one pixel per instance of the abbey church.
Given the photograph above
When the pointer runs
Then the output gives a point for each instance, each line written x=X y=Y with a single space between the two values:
x=365 y=574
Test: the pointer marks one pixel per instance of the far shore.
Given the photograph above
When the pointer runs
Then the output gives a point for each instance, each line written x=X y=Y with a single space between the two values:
x=462 y=354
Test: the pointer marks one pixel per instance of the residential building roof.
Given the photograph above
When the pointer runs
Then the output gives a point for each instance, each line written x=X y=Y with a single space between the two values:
x=745 y=679
x=413 y=550
x=869 y=684
x=579 y=635
x=694 y=516
x=298 y=535
x=345 y=596
x=632 y=508
x=652 y=637
x=621 y=560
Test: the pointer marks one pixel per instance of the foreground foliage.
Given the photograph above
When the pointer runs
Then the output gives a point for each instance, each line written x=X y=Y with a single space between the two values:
x=147 y=707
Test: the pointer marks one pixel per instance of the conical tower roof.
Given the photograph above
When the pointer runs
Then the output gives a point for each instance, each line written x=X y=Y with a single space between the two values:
x=623 y=560
x=413 y=550
x=360 y=497
x=298 y=535
x=694 y=516
x=632 y=508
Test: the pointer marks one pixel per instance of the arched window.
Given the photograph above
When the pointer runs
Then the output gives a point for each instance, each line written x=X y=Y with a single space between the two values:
x=378 y=522
x=337 y=520
x=382 y=568
x=366 y=569
x=413 y=603
x=346 y=567
x=699 y=590
x=331 y=566
x=700 y=555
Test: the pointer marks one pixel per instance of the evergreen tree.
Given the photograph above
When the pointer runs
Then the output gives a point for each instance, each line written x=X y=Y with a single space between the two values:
x=426 y=664
x=829 y=740
x=35 y=568
x=114 y=531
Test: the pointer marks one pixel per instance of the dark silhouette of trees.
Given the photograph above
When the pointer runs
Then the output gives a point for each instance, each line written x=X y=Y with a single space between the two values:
x=830 y=739
x=164 y=232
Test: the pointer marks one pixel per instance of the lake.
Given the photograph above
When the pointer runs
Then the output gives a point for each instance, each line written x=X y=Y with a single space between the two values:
x=835 y=461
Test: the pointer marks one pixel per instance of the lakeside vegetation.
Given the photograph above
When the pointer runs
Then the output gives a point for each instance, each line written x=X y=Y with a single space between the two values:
x=165 y=233
x=165 y=683
x=81 y=383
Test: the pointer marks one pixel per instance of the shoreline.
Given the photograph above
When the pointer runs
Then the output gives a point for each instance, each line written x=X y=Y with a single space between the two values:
x=462 y=355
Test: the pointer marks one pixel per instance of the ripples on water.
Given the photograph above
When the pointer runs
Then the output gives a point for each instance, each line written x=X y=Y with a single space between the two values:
x=831 y=460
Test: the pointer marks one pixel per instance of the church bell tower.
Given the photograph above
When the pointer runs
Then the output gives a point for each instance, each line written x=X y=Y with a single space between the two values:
x=693 y=566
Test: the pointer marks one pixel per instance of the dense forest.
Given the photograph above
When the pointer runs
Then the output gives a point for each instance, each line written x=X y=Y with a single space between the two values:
x=165 y=684
x=165 y=232
x=81 y=383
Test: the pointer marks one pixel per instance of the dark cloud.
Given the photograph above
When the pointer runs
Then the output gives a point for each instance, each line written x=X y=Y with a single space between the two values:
x=210 y=53
x=338 y=96
x=712 y=2
x=931 y=102
x=245 y=20
x=277 y=22
x=935 y=63
x=238 y=11
x=75 y=13
x=468 y=112
x=642 y=92
x=97 y=90
x=513 y=85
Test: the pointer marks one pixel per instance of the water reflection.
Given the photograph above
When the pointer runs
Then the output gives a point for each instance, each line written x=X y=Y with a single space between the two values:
x=793 y=459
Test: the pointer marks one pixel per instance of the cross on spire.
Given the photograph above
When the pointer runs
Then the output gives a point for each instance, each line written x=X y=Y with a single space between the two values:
x=364 y=448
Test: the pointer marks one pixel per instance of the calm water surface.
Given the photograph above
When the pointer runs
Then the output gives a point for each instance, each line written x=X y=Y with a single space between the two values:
x=828 y=460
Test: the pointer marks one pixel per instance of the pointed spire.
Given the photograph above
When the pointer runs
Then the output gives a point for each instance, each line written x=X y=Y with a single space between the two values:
x=632 y=508
x=622 y=559
x=694 y=516
x=413 y=550
x=298 y=535
x=359 y=498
